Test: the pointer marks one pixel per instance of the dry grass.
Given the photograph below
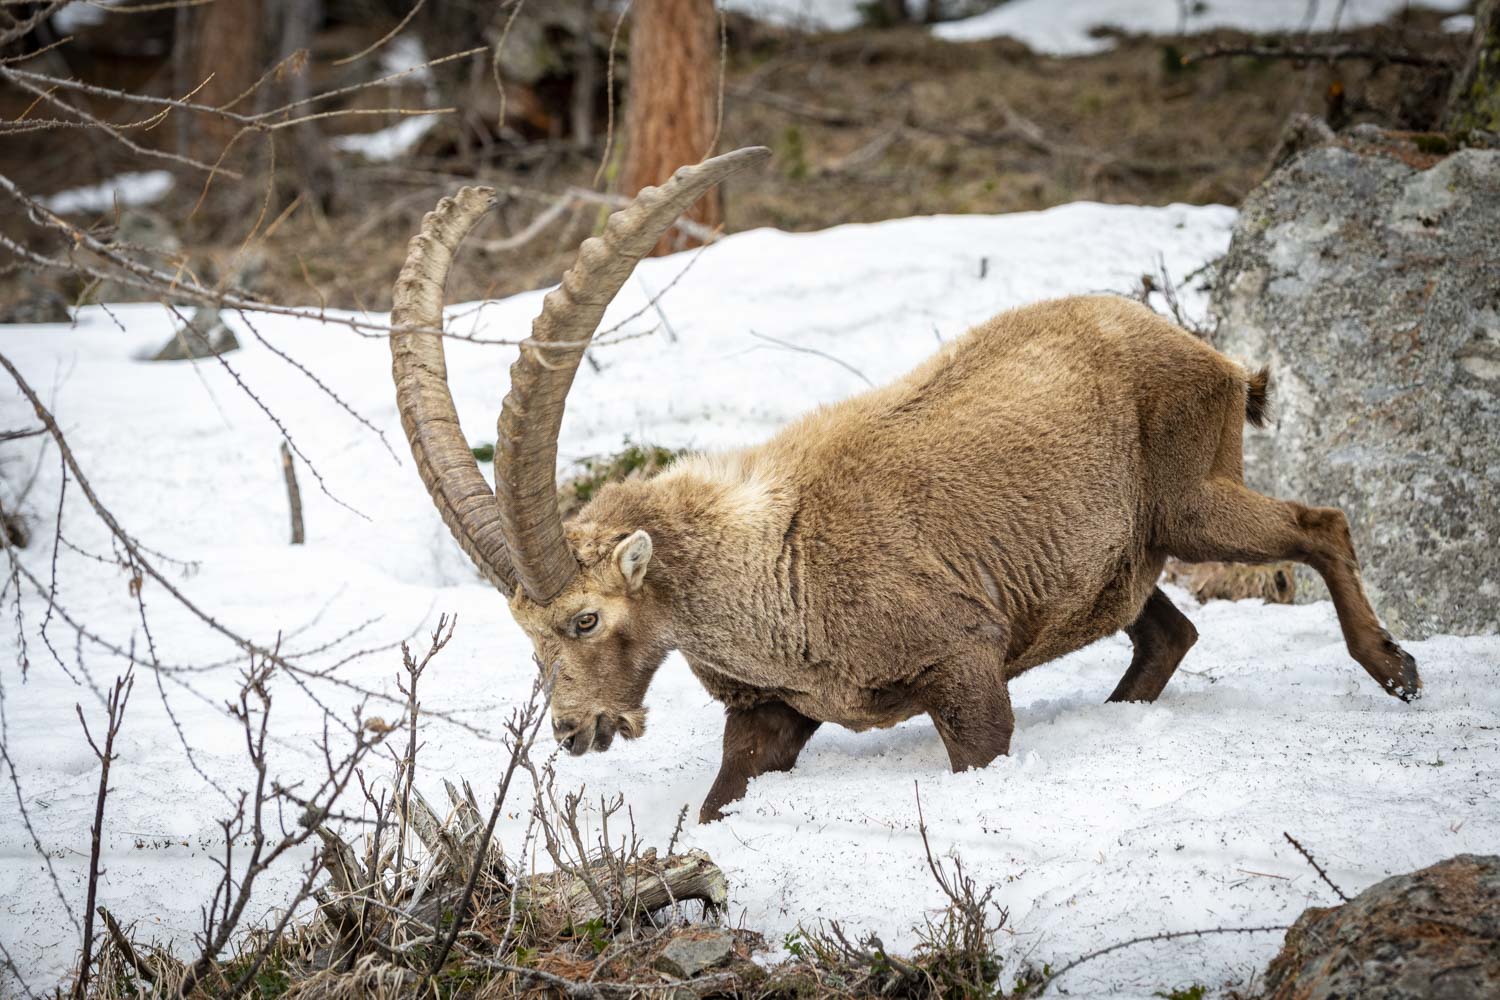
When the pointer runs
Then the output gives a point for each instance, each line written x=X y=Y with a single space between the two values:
x=1274 y=583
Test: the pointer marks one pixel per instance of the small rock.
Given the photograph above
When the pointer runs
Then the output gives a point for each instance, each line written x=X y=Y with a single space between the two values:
x=207 y=337
x=690 y=953
x=36 y=304
x=1433 y=934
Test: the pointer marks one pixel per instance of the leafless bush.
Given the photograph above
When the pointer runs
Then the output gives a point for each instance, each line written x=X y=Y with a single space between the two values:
x=957 y=956
x=449 y=908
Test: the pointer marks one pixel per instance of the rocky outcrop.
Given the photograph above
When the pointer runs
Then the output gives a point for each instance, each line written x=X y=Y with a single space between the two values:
x=1430 y=935
x=1366 y=273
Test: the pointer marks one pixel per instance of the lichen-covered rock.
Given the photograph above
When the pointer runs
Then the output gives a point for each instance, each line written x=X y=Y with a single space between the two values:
x=1367 y=275
x=1430 y=935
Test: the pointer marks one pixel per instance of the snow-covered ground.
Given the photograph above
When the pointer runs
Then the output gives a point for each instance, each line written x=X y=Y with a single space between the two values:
x=1065 y=27
x=1107 y=821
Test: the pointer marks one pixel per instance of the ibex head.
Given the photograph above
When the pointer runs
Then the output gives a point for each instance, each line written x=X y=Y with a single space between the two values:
x=601 y=639
x=585 y=594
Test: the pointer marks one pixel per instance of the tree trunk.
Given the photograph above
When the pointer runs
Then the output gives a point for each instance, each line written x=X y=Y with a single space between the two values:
x=671 y=106
x=1474 y=102
x=585 y=79
x=227 y=47
x=306 y=151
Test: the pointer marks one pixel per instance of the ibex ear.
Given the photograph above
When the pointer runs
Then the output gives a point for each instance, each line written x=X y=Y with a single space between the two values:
x=632 y=556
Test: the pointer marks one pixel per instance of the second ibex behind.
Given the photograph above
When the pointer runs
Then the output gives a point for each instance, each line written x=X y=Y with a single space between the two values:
x=907 y=551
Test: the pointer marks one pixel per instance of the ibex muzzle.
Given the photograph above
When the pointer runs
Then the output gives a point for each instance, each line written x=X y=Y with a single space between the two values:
x=907 y=551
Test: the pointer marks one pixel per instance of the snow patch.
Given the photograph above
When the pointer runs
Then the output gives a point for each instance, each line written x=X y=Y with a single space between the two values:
x=808 y=15
x=143 y=188
x=405 y=54
x=1066 y=29
x=388 y=143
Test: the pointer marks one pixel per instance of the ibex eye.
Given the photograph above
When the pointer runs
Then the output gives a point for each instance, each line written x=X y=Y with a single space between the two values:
x=586 y=622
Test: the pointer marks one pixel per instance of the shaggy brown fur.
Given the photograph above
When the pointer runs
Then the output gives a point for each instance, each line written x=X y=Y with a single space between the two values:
x=1258 y=397
x=912 y=549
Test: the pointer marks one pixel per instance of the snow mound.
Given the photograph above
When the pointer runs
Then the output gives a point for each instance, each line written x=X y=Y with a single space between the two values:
x=1106 y=822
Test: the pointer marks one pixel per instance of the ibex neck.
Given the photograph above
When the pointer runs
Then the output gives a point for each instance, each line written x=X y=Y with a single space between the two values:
x=720 y=514
x=721 y=526
x=734 y=564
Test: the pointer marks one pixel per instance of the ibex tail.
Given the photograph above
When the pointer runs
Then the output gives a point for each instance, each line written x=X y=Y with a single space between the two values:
x=1258 y=399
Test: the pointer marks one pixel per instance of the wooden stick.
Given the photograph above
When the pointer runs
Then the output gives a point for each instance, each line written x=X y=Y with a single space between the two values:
x=293 y=494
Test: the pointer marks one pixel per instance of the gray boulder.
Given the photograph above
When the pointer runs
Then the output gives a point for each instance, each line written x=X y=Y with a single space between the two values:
x=1367 y=275
x=1430 y=935
x=694 y=951
x=202 y=336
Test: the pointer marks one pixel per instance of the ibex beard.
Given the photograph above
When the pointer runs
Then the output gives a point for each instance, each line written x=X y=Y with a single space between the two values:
x=600 y=641
x=908 y=551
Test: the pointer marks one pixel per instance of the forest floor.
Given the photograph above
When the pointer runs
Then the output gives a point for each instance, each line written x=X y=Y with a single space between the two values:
x=866 y=125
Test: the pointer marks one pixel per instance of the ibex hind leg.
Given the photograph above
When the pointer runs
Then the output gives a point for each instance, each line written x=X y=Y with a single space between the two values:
x=1162 y=635
x=1225 y=520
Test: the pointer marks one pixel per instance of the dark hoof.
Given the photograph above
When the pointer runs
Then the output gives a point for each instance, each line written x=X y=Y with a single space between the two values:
x=1409 y=687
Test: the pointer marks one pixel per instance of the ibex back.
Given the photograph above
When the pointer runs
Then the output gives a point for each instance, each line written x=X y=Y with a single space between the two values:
x=904 y=552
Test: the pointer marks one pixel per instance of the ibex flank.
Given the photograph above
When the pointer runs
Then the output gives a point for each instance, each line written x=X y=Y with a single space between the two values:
x=907 y=551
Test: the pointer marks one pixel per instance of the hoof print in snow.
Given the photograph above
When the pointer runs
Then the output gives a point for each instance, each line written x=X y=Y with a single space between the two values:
x=688 y=954
x=1431 y=934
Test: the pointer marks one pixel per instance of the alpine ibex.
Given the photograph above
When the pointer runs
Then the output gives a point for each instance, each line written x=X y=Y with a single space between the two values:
x=906 y=551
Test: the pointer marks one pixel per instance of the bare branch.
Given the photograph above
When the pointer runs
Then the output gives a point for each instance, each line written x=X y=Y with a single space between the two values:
x=1306 y=854
x=118 y=697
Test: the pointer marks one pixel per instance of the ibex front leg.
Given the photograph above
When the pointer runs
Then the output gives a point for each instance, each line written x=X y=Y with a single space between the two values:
x=1228 y=521
x=765 y=738
x=969 y=702
x=1162 y=635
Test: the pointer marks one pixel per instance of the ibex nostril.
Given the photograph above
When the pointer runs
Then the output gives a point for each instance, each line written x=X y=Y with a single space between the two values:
x=563 y=728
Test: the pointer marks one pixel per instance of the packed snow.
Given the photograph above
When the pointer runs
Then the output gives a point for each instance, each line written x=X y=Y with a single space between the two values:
x=1106 y=822
x=140 y=188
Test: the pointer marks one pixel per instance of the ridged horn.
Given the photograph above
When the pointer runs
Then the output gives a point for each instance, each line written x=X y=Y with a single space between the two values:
x=443 y=457
x=526 y=448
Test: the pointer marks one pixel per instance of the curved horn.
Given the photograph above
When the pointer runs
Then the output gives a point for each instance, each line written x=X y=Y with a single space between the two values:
x=526 y=449
x=444 y=460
